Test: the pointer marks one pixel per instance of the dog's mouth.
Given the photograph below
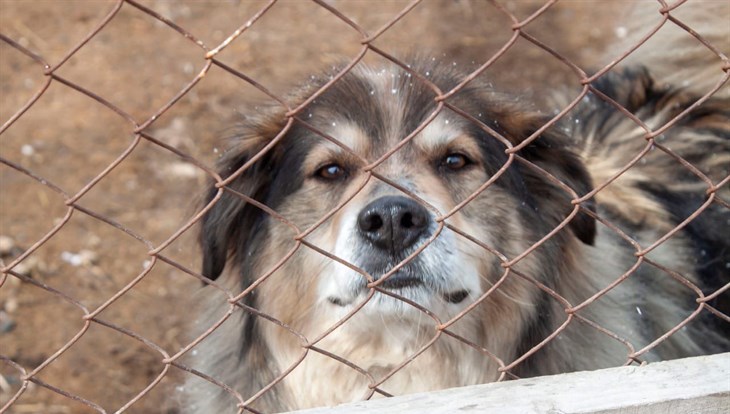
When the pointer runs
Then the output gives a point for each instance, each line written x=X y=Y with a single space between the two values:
x=399 y=281
x=402 y=283
x=456 y=296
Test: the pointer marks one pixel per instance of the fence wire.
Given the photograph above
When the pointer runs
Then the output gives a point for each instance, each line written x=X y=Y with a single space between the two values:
x=20 y=377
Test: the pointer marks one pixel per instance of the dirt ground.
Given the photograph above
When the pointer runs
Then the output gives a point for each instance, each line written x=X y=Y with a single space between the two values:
x=138 y=64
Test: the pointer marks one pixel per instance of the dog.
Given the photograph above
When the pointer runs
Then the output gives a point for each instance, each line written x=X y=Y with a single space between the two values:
x=384 y=243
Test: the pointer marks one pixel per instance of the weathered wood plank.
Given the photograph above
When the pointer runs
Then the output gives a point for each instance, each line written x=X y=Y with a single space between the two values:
x=691 y=385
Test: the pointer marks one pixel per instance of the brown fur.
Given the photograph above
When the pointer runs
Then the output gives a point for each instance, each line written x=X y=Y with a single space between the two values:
x=370 y=111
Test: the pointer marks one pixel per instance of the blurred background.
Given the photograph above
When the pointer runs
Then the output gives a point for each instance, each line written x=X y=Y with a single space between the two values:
x=138 y=64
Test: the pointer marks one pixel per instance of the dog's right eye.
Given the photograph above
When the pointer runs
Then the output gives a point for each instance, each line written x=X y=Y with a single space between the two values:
x=455 y=161
x=331 y=172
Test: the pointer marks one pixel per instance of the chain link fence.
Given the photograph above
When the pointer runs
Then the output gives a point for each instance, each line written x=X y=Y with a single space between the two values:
x=100 y=169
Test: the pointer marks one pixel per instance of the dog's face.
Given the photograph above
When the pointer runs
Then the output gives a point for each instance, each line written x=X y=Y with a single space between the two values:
x=381 y=227
x=404 y=221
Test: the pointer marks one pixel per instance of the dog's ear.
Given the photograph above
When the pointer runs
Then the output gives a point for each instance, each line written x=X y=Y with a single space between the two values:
x=228 y=227
x=552 y=152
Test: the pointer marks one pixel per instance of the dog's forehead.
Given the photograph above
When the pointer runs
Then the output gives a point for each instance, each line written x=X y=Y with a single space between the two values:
x=372 y=110
x=439 y=132
x=434 y=137
x=350 y=135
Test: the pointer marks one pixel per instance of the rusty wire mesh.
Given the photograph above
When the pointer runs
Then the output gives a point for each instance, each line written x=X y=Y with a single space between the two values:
x=164 y=362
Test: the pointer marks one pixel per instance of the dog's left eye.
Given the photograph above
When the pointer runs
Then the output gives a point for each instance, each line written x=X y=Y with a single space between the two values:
x=455 y=161
x=331 y=172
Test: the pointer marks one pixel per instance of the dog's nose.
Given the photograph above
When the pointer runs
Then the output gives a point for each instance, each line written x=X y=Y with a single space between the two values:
x=393 y=223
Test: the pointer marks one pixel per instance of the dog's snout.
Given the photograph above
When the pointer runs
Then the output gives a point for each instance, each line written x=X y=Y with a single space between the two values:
x=393 y=223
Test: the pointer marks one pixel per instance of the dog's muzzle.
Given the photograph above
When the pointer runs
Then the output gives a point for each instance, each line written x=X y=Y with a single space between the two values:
x=392 y=226
x=393 y=223
x=389 y=230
